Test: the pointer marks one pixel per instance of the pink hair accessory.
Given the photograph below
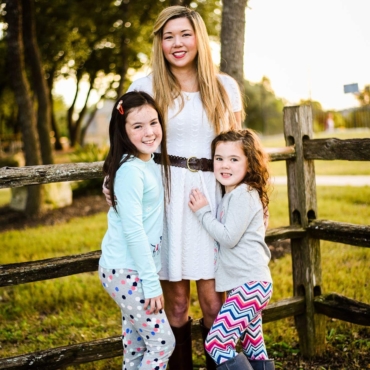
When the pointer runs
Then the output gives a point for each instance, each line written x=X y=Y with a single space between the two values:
x=120 y=108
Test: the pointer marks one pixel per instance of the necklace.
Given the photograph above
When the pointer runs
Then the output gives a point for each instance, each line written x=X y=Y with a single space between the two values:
x=188 y=94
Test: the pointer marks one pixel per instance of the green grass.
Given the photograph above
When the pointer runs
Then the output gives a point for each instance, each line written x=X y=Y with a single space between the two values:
x=75 y=309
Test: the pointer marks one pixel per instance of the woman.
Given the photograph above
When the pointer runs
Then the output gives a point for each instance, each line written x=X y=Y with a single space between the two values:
x=197 y=103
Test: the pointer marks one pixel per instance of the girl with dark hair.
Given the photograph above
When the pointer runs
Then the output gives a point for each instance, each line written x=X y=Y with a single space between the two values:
x=131 y=248
x=240 y=166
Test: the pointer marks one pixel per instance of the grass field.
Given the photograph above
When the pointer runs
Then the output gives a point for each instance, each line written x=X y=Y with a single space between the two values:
x=75 y=309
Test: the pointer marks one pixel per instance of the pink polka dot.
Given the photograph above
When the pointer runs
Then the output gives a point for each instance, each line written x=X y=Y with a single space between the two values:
x=129 y=342
x=145 y=325
x=138 y=349
x=161 y=353
x=110 y=277
x=113 y=295
x=156 y=329
x=148 y=362
x=137 y=279
x=133 y=288
x=147 y=312
x=158 y=321
x=123 y=282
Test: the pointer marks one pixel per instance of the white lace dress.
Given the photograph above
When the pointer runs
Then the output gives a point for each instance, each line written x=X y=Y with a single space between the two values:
x=188 y=252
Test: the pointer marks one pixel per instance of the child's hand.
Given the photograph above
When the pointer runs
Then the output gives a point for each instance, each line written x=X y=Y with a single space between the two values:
x=153 y=305
x=106 y=191
x=197 y=200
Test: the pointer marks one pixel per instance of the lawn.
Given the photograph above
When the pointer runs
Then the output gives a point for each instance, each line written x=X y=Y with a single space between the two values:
x=75 y=309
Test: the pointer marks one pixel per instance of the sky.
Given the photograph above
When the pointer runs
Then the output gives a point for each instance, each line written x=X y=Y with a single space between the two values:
x=309 y=49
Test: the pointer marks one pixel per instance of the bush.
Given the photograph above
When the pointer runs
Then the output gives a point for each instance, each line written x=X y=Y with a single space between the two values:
x=88 y=153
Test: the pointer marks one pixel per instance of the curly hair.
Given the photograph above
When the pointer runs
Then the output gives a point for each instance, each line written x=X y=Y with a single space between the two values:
x=257 y=175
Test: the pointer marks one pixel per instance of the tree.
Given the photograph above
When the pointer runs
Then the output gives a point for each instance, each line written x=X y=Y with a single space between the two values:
x=264 y=109
x=364 y=96
x=232 y=39
x=27 y=118
x=40 y=86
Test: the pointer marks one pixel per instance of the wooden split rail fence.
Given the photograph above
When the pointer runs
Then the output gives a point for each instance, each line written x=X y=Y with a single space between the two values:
x=308 y=305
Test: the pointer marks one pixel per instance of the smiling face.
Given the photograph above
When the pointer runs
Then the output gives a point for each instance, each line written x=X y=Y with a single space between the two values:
x=230 y=164
x=179 y=44
x=144 y=130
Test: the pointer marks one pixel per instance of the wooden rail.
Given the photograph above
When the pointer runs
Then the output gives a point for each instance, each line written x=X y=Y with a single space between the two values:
x=340 y=232
x=51 y=268
x=330 y=149
x=11 y=177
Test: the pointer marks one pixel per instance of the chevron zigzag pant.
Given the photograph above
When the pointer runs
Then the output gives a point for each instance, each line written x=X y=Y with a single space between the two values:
x=240 y=318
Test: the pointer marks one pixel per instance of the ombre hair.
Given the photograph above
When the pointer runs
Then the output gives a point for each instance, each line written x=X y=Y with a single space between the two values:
x=166 y=88
x=257 y=175
x=121 y=148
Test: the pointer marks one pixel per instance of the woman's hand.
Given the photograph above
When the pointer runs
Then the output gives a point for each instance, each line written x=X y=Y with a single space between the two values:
x=197 y=200
x=106 y=192
x=154 y=305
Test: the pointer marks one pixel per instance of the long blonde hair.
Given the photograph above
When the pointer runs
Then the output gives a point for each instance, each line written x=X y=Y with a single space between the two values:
x=166 y=88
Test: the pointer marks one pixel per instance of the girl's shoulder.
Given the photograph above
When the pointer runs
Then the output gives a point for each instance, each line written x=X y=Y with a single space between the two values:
x=244 y=191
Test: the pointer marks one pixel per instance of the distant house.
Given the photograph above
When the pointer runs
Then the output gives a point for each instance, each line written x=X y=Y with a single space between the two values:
x=97 y=132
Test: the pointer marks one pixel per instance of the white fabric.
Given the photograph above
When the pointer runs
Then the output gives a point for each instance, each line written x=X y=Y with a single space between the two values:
x=188 y=252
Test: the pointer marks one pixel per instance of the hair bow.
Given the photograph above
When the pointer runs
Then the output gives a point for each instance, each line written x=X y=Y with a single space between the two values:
x=120 y=108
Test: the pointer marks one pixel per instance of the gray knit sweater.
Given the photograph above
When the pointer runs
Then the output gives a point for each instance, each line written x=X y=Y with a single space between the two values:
x=243 y=255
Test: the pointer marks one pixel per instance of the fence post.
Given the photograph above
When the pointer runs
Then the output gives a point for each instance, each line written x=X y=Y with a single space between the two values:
x=306 y=258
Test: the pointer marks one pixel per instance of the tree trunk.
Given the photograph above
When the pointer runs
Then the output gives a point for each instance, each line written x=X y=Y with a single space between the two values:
x=39 y=81
x=232 y=39
x=54 y=126
x=21 y=89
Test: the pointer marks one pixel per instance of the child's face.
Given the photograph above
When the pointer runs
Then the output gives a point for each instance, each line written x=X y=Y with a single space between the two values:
x=144 y=130
x=230 y=164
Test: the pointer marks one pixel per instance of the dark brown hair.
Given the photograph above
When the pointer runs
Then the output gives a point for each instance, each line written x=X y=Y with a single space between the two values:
x=257 y=175
x=120 y=143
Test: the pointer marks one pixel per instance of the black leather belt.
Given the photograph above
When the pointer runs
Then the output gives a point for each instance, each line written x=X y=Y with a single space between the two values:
x=193 y=164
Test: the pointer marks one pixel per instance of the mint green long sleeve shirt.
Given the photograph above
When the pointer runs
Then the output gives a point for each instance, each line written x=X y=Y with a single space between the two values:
x=134 y=235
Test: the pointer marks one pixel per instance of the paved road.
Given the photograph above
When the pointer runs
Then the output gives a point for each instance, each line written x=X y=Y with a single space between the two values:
x=331 y=180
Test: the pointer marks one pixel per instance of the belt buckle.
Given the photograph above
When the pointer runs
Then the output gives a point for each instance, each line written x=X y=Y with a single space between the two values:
x=188 y=166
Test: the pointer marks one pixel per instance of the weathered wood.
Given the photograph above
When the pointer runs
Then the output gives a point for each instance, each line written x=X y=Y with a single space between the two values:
x=284 y=308
x=305 y=251
x=27 y=272
x=61 y=357
x=340 y=232
x=287 y=232
x=281 y=154
x=11 y=177
x=330 y=149
x=343 y=308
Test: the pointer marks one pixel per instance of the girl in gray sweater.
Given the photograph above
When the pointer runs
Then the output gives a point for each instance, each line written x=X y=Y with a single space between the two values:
x=240 y=165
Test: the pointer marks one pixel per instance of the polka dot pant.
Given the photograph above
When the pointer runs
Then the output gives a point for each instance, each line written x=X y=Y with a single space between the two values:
x=147 y=338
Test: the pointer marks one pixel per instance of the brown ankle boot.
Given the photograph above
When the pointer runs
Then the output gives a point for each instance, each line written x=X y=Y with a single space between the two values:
x=181 y=358
x=210 y=364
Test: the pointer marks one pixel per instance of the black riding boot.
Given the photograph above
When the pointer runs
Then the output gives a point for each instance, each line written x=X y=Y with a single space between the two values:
x=211 y=365
x=181 y=358
x=262 y=364
x=239 y=362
